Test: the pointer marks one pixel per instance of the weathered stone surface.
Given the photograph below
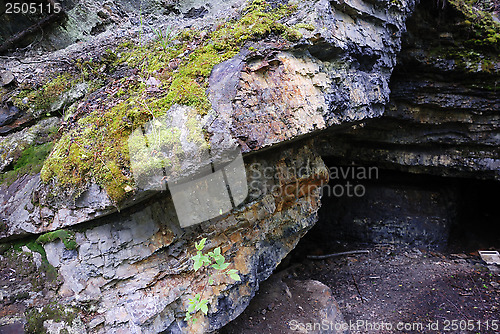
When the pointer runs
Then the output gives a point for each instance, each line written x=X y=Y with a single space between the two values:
x=134 y=268
x=443 y=116
x=6 y=78
x=14 y=328
x=131 y=271
x=286 y=305
x=338 y=72
x=267 y=94
x=8 y=115
x=24 y=214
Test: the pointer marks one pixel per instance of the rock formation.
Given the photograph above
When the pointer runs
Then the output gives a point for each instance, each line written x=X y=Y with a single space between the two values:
x=85 y=250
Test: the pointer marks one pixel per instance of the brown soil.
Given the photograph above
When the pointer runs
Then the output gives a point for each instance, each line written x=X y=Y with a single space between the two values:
x=428 y=292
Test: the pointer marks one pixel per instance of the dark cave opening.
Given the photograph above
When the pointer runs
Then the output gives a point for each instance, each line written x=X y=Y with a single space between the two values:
x=401 y=208
x=478 y=223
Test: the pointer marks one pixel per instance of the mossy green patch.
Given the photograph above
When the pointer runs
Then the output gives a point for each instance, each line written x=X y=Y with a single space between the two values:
x=30 y=162
x=42 y=98
x=44 y=277
x=35 y=317
x=483 y=30
x=96 y=149
x=465 y=37
x=93 y=70
x=67 y=237
x=306 y=26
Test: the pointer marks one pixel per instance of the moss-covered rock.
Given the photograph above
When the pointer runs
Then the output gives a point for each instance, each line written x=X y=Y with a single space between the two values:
x=30 y=162
x=460 y=39
x=41 y=99
x=96 y=150
x=483 y=30
x=37 y=274
x=36 y=317
x=23 y=152
x=67 y=238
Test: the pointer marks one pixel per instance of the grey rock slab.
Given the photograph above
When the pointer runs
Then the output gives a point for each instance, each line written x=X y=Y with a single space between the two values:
x=284 y=305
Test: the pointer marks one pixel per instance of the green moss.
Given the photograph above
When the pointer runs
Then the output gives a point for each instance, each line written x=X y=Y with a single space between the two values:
x=469 y=38
x=306 y=26
x=483 y=31
x=36 y=245
x=35 y=317
x=50 y=272
x=95 y=69
x=97 y=148
x=30 y=162
x=44 y=277
x=292 y=35
x=189 y=35
x=67 y=237
x=43 y=97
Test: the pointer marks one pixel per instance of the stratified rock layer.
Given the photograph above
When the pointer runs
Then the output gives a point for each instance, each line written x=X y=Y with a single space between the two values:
x=270 y=92
x=131 y=270
x=443 y=118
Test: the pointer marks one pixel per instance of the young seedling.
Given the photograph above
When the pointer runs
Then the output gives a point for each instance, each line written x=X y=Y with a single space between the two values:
x=204 y=261
x=165 y=38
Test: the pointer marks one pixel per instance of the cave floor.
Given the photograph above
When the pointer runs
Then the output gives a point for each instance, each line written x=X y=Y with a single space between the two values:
x=420 y=291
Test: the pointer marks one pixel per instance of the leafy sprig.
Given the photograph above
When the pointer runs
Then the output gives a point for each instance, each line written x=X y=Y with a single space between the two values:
x=213 y=259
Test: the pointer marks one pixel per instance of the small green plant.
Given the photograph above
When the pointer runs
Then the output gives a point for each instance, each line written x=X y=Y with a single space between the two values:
x=202 y=261
x=164 y=38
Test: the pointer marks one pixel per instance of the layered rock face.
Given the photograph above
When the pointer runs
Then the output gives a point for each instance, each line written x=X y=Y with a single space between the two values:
x=298 y=76
x=443 y=116
x=272 y=91
x=133 y=270
x=438 y=136
x=279 y=72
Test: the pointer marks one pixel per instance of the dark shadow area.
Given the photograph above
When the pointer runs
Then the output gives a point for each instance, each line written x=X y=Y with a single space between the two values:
x=363 y=206
x=478 y=220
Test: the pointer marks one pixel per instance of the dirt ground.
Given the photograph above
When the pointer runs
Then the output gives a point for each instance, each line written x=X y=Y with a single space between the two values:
x=396 y=289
